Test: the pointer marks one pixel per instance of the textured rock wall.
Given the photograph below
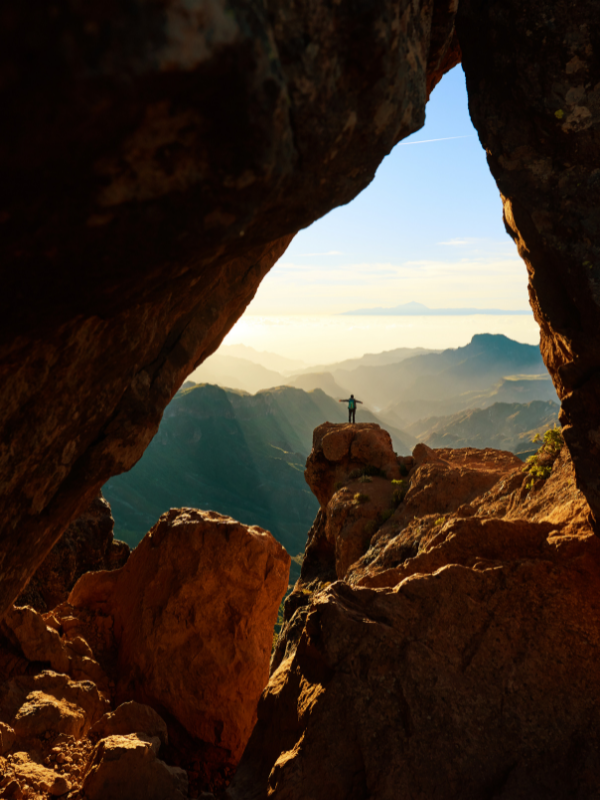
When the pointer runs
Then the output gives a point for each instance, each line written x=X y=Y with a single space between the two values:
x=458 y=657
x=156 y=159
x=87 y=545
x=533 y=76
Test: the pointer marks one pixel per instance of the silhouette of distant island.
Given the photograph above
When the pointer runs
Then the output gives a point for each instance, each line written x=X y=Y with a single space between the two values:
x=413 y=309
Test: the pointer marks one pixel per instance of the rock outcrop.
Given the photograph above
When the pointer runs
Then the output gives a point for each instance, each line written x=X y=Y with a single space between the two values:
x=354 y=473
x=87 y=545
x=127 y=768
x=131 y=717
x=153 y=170
x=464 y=668
x=341 y=452
x=466 y=636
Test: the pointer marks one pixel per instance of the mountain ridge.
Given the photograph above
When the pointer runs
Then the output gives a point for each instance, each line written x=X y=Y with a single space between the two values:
x=413 y=309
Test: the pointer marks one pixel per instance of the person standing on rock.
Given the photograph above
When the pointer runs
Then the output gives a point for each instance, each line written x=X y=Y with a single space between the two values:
x=352 y=401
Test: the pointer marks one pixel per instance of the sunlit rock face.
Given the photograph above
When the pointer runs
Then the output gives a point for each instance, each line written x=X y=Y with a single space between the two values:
x=533 y=76
x=458 y=657
x=156 y=159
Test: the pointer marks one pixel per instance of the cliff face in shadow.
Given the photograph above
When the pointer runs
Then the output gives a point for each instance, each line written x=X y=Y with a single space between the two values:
x=533 y=78
x=156 y=161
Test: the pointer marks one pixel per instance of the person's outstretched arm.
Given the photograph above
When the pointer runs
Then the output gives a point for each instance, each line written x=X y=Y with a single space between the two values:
x=344 y=401
x=359 y=401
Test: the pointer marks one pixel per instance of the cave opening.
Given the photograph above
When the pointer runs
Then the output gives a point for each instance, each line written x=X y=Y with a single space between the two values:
x=156 y=164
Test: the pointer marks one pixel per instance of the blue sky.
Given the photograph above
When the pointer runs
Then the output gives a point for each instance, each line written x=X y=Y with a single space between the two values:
x=428 y=228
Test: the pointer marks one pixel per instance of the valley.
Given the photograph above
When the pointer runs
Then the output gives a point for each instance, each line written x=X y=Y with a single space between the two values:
x=239 y=448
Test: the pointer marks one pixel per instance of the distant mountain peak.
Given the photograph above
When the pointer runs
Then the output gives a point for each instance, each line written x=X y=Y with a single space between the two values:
x=413 y=308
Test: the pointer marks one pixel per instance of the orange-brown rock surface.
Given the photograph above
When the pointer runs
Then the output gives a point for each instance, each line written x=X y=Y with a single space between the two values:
x=340 y=450
x=194 y=610
x=354 y=473
x=458 y=658
x=127 y=768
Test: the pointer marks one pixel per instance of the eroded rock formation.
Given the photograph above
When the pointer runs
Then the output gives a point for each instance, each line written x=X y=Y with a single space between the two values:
x=465 y=637
x=157 y=159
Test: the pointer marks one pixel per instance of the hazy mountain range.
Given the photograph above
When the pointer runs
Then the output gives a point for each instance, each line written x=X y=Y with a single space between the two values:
x=404 y=385
x=241 y=450
x=503 y=426
x=413 y=309
x=229 y=451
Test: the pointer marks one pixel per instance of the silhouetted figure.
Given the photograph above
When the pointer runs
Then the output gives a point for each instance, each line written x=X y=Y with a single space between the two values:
x=352 y=401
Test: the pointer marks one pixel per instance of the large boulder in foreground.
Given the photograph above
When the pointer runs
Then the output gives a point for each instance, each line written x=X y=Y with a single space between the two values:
x=194 y=610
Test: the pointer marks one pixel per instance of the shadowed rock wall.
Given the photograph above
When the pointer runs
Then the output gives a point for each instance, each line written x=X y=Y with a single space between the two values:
x=533 y=77
x=156 y=159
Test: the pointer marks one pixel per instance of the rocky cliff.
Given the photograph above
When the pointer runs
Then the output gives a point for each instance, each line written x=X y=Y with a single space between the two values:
x=464 y=634
x=446 y=613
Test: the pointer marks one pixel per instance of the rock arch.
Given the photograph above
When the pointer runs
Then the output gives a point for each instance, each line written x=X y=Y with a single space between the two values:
x=157 y=159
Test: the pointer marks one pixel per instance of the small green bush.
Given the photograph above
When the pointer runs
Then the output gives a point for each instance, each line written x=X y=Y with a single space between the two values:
x=365 y=479
x=539 y=466
x=440 y=521
x=403 y=486
x=385 y=515
x=361 y=498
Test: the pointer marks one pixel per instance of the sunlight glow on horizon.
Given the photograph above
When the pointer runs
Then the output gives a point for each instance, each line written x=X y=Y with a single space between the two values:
x=428 y=229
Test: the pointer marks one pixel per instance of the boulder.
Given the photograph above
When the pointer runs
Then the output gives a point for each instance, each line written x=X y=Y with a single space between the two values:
x=40 y=641
x=48 y=701
x=338 y=451
x=29 y=773
x=42 y=714
x=194 y=610
x=127 y=768
x=131 y=717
